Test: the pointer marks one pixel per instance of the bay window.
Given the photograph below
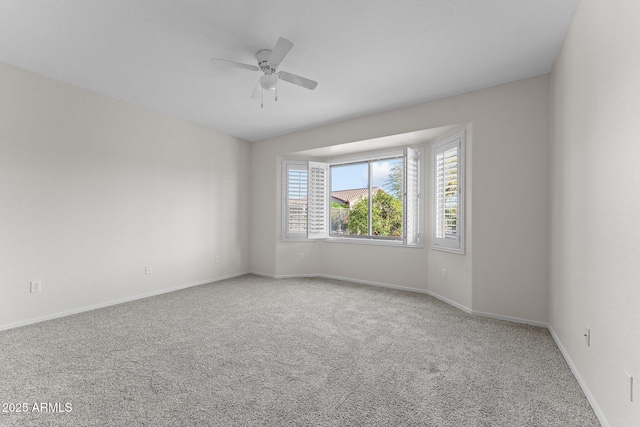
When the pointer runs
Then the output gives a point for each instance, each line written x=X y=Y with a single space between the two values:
x=373 y=198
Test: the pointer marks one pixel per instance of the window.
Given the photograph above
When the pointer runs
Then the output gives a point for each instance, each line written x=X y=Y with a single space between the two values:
x=448 y=179
x=375 y=199
x=366 y=199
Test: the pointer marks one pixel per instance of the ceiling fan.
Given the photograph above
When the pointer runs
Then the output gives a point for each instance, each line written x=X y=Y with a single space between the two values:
x=268 y=62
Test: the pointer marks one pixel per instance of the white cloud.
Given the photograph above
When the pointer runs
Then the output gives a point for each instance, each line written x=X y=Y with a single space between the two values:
x=381 y=171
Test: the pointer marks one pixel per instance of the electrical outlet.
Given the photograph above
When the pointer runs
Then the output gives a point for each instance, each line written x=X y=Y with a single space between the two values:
x=36 y=286
x=628 y=387
x=587 y=336
x=148 y=270
x=217 y=258
x=444 y=273
x=301 y=257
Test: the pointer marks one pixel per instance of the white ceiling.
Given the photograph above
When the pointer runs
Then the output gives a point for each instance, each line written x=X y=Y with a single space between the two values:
x=367 y=55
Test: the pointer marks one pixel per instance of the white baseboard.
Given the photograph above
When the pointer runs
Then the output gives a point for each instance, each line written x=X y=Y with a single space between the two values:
x=402 y=288
x=581 y=382
x=510 y=319
x=114 y=302
x=294 y=276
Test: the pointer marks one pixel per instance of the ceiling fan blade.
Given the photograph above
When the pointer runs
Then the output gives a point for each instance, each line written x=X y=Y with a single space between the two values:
x=282 y=47
x=256 y=91
x=235 y=64
x=297 y=80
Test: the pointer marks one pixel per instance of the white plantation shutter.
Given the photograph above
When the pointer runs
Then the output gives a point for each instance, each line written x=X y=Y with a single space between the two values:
x=448 y=166
x=318 y=203
x=411 y=197
x=295 y=200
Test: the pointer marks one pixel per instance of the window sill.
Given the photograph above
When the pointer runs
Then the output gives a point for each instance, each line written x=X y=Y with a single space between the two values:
x=366 y=241
x=459 y=251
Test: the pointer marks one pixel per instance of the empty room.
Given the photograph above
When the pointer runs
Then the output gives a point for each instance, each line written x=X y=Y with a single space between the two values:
x=331 y=213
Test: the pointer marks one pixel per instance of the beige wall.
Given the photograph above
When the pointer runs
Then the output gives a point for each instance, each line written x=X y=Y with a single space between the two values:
x=595 y=203
x=93 y=189
x=504 y=271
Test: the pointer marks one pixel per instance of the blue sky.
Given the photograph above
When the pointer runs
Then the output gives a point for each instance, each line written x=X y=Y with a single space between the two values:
x=352 y=176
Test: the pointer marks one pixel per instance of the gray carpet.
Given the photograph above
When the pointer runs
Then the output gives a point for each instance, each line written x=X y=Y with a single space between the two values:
x=256 y=351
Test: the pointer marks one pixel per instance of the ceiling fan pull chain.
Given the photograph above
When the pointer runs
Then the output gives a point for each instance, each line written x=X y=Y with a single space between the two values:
x=276 y=89
x=261 y=98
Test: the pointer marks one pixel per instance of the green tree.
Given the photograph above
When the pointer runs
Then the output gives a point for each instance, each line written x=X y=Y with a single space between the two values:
x=386 y=219
x=358 y=222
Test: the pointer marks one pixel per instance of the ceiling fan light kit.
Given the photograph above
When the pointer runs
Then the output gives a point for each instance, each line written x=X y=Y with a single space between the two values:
x=268 y=62
x=268 y=82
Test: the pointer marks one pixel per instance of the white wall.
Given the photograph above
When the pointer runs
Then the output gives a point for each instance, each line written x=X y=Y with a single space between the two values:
x=504 y=271
x=93 y=189
x=595 y=202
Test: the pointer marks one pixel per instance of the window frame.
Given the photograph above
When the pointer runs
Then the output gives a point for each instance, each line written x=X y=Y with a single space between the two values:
x=447 y=243
x=416 y=241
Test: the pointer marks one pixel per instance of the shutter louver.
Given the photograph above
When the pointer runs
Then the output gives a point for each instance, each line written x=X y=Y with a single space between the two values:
x=318 y=200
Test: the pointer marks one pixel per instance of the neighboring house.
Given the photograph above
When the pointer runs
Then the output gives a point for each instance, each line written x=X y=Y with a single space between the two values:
x=349 y=197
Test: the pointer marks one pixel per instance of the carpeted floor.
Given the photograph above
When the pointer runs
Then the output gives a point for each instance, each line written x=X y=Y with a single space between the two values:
x=265 y=352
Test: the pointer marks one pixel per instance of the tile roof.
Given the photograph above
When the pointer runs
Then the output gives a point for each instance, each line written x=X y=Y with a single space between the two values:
x=353 y=195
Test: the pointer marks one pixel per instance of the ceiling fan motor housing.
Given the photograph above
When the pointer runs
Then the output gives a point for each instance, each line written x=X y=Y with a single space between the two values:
x=263 y=61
